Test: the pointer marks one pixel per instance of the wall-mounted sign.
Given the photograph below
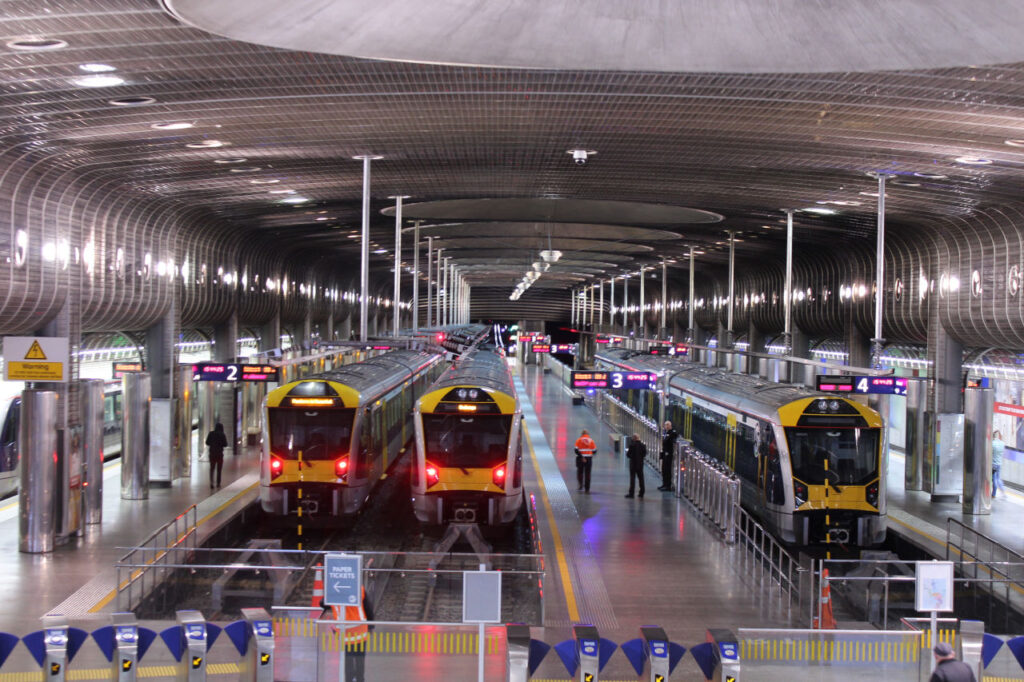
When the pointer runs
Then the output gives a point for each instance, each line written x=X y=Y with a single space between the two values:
x=35 y=358
x=862 y=384
x=623 y=380
x=541 y=348
x=119 y=369
x=221 y=371
x=378 y=347
x=564 y=348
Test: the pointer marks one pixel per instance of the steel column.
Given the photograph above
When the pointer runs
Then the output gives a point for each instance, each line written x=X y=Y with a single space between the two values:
x=364 y=260
x=643 y=318
x=691 y=330
x=664 y=294
x=416 y=277
x=430 y=276
x=732 y=290
x=878 y=342
x=397 y=298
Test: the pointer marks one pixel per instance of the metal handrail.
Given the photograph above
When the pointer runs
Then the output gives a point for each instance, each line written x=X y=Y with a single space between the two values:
x=150 y=558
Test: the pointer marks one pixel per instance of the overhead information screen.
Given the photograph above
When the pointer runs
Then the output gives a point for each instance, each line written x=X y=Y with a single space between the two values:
x=225 y=371
x=623 y=380
x=541 y=348
x=862 y=385
x=564 y=348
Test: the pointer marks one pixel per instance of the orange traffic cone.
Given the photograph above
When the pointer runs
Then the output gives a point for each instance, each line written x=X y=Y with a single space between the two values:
x=827 y=621
x=318 y=587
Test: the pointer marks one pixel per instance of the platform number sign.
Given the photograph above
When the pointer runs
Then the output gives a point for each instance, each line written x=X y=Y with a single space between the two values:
x=862 y=384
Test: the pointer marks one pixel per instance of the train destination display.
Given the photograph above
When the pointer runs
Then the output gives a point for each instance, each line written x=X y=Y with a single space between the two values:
x=862 y=384
x=541 y=348
x=224 y=371
x=623 y=380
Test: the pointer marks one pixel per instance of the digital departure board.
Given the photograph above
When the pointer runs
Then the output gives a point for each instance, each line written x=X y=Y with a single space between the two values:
x=541 y=348
x=861 y=384
x=564 y=348
x=623 y=380
x=378 y=347
x=119 y=369
x=221 y=371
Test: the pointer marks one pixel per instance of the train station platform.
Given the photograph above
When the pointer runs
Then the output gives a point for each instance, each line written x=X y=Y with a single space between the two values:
x=621 y=563
x=78 y=579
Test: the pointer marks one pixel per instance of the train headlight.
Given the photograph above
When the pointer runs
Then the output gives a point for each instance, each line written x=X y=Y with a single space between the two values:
x=341 y=467
x=276 y=467
x=822 y=405
x=871 y=494
x=799 y=494
x=834 y=406
x=433 y=476
x=498 y=476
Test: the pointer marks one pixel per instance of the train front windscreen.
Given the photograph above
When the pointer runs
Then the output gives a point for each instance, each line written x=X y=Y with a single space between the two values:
x=318 y=434
x=460 y=441
x=843 y=456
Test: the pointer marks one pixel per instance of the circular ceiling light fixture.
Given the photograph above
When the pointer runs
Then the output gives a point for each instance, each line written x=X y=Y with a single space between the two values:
x=172 y=125
x=205 y=144
x=579 y=156
x=238 y=159
x=973 y=160
x=36 y=43
x=133 y=101
x=97 y=68
x=98 y=80
x=819 y=210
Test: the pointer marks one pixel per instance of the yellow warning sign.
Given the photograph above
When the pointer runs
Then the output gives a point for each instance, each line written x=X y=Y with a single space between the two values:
x=35 y=352
x=19 y=370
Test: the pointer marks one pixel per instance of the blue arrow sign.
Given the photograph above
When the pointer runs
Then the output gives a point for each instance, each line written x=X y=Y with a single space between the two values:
x=343 y=576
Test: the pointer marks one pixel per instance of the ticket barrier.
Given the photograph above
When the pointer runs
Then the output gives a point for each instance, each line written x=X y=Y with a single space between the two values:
x=124 y=644
x=652 y=655
x=972 y=640
x=55 y=646
x=718 y=657
x=523 y=654
x=586 y=654
x=188 y=642
x=258 y=650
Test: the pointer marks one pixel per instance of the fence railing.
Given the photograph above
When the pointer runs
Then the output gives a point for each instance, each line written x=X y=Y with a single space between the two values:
x=146 y=566
x=627 y=422
x=995 y=568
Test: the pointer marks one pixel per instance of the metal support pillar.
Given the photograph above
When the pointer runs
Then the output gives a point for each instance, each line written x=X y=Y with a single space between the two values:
x=364 y=256
x=878 y=342
x=691 y=330
x=430 y=277
x=978 y=407
x=416 y=277
x=915 y=436
x=662 y=333
x=135 y=397
x=38 y=491
x=611 y=304
x=729 y=332
x=625 y=304
x=642 y=322
x=600 y=310
x=396 y=299
x=92 y=448
x=787 y=294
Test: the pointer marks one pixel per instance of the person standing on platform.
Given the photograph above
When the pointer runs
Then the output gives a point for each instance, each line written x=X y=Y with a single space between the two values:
x=636 y=453
x=216 y=441
x=668 y=454
x=357 y=634
x=585 y=449
x=998 y=447
x=947 y=668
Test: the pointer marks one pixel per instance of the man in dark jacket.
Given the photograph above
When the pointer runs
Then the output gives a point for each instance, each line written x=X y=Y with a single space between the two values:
x=668 y=454
x=636 y=452
x=947 y=668
x=216 y=441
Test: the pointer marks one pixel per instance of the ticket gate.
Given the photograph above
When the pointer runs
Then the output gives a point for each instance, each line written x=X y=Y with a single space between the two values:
x=55 y=646
x=258 y=661
x=523 y=654
x=124 y=644
x=188 y=642
x=586 y=654
x=652 y=656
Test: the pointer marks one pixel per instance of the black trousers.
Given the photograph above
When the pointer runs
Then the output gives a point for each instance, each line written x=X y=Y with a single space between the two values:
x=636 y=472
x=666 y=471
x=583 y=466
x=216 y=465
x=355 y=663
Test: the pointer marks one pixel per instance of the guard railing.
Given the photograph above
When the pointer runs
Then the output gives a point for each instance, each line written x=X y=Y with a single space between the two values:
x=146 y=566
x=628 y=421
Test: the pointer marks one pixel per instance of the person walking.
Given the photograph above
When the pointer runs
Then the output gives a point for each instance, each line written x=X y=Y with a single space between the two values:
x=636 y=452
x=216 y=441
x=585 y=449
x=668 y=453
x=947 y=668
x=998 y=446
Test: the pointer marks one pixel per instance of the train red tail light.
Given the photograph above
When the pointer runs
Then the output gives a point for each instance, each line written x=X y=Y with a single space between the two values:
x=341 y=467
x=799 y=494
x=440 y=337
x=276 y=467
x=871 y=495
x=498 y=476
x=433 y=476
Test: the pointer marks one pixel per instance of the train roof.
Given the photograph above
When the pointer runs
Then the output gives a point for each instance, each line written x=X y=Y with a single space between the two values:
x=375 y=375
x=742 y=392
x=479 y=367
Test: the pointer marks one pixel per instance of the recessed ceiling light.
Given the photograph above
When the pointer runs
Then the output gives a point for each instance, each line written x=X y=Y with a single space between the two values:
x=768 y=227
x=294 y=200
x=205 y=144
x=934 y=176
x=868 y=194
x=906 y=183
x=973 y=160
x=262 y=181
x=239 y=159
x=36 y=43
x=1015 y=142
x=97 y=68
x=133 y=101
x=380 y=251
x=172 y=125
x=98 y=81
x=249 y=169
x=322 y=219
x=819 y=210
x=352 y=236
x=281 y=191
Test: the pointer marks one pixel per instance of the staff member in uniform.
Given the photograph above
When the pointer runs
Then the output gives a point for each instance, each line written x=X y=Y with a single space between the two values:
x=356 y=638
x=585 y=449
x=636 y=453
x=216 y=441
x=668 y=449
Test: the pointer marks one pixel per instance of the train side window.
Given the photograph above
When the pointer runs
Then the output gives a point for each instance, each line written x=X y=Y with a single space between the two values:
x=9 y=437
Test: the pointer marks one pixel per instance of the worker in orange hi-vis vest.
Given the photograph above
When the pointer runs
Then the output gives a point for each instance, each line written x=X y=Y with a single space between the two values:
x=585 y=449
x=356 y=637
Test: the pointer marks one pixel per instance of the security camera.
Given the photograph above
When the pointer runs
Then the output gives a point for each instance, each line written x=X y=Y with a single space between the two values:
x=579 y=156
